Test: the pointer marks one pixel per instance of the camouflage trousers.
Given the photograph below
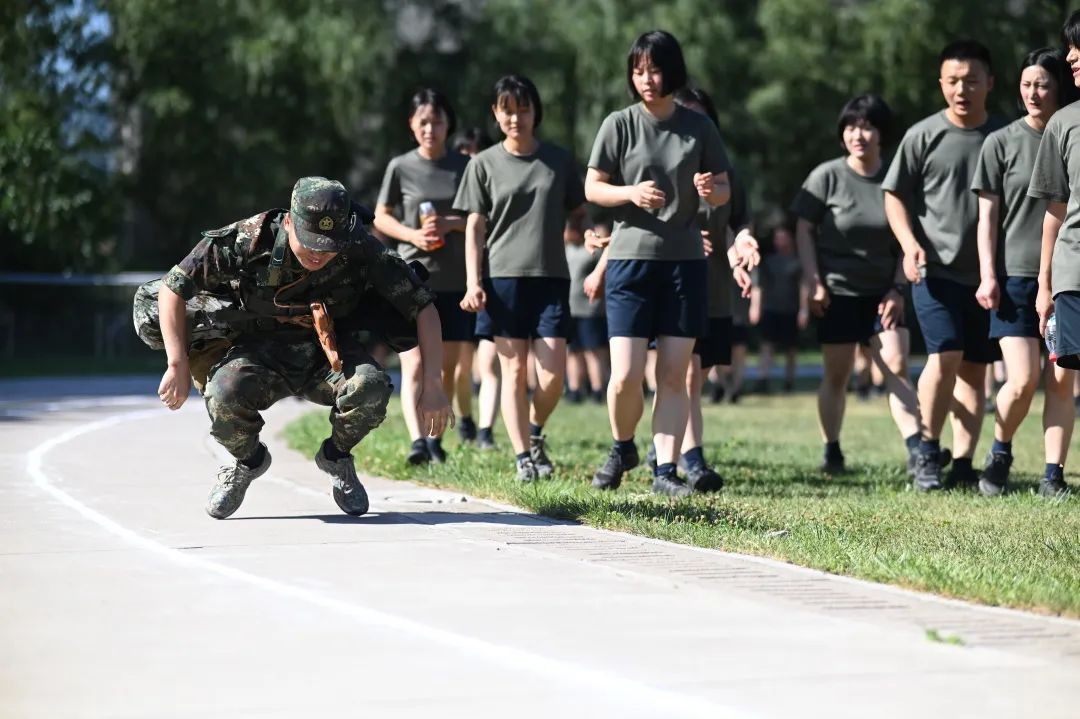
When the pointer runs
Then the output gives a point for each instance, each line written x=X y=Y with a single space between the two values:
x=254 y=374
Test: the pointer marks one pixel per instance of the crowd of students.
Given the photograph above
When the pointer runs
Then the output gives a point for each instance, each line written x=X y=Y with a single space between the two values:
x=973 y=220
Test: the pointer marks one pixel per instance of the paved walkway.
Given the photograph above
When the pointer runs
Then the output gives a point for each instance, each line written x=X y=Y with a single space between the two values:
x=119 y=597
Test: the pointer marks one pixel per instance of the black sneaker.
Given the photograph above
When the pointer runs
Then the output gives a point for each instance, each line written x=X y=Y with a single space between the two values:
x=466 y=429
x=962 y=478
x=418 y=453
x=927 y=476
x=995 y=475
x=544 y=467
x=944 y=457
x=718 y=392
x=671 y=485
x=833 y=465
x=485 y=440
x=650 y=458
x=610 y=475
x=573 y=396
x=435 y=450
x=1054 y=487
x=703 y=479
x=526 y=470
x=598 y=397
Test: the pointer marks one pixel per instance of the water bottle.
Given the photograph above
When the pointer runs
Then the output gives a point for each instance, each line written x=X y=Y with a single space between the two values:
x=1051 y=337
x=427 y=210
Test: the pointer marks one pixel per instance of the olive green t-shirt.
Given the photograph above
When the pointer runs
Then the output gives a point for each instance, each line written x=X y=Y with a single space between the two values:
x=1004 y=169
x=526 y=200
x=1056 y=177
x=932 y=173
x=633 y=147
x=720 y=222
x=857 y=254
x=411 y=179
x=778 y=275
x=581 y=263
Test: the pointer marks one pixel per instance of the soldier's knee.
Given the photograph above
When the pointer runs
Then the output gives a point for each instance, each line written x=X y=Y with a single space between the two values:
x=368 y=390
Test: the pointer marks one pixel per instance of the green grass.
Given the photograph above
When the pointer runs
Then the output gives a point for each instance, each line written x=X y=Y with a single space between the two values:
x=1017 y=551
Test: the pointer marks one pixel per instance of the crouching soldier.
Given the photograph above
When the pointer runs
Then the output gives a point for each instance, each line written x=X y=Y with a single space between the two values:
x=293 y=289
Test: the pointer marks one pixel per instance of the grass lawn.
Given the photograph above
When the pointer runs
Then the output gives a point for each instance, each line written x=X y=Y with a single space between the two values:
x=1018 y=551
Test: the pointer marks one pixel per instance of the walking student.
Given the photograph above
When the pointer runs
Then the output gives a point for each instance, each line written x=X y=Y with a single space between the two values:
x=778 y=306
x=521 y=196
x=652 y=163
x=1010 y=241
x=850 y=263
x=414 y=208
x=1056 y=179
x=934 y=216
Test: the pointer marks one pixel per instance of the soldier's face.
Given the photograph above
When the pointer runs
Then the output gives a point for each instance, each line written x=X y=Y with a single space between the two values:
x=310 y=260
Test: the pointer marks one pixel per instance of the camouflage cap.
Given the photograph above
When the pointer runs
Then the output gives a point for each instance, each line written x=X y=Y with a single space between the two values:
x=322 y=214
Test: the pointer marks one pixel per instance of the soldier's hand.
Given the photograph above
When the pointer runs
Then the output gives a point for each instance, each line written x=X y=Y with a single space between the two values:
x=175 y=386
x=434 y=410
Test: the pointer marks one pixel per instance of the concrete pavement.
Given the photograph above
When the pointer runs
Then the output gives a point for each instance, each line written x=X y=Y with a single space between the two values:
x=119 y=597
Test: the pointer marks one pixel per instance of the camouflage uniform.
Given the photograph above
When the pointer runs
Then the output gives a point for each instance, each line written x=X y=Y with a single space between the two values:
x=270 y=360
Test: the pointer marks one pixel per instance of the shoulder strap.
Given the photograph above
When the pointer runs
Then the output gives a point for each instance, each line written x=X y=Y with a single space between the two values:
x=277 y=259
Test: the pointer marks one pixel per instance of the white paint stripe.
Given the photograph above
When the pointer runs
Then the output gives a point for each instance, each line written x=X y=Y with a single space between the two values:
x=603 y=682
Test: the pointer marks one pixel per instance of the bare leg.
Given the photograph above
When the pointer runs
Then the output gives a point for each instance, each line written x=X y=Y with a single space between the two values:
x=411 y=371
x=738 y=370
x=672 y=406
x=968 y=408
x=765 y=363
x=650 y=370
x=791 y=366
x=695 y=426
x=936 y=390
x=451 y=356
x=513 y=362
x=838 y=360
x=889 y=352
x=1058 y=412
x=550 y=356
x=575 y=371
x=487 y=363
x=596 y=363
x=626 y=399
x=1021 y=356
x=463 y=378
x=531 y=364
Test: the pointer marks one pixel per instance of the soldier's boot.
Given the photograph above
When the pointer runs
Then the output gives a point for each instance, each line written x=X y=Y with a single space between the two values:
x=349 y=494
x=232 y=483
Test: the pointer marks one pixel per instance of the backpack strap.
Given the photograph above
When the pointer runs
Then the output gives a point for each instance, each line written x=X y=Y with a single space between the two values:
x=277 y=259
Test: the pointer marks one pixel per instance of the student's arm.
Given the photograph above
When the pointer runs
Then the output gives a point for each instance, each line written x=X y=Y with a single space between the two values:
x=176 y=382
x=1044 y=301
x=434 y=409
x=715 y=189
x=987 y=235
x=600 y=191
x=900 y=224
x=573 y=230
x=424 y=238
x=817 y=296
x=594 y=282
x=475 y=235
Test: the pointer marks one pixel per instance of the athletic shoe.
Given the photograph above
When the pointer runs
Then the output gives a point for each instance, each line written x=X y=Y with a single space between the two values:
x=526 y=470
x=544 y=467
x=718 y=393
x=618 y=463
x=703 y=479
x=671 y=485
x=435 y=450
x=573 y=396
x=944 y=457
x=961 y=478
x=350 y=495
x=1054 y=488
x=650 y=457
x=418 y=453
x=927 y=476
x=995 y=475
x=466 y=429
x=232 y=482
x=485 y=440
x=833 y=465
x=599 y=397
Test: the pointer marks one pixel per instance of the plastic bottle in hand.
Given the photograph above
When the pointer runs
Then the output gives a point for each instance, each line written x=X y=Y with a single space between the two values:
x=1051 y=337
x=428 y=210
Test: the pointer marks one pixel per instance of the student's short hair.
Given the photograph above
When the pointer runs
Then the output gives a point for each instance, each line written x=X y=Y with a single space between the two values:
x=1053 y=61
x=697 y=96
x=871 y=109
x=1070 y=31
x=663 y=50
x=428 y=96
x=967 y=50
x=472 y=136
x=522 y=90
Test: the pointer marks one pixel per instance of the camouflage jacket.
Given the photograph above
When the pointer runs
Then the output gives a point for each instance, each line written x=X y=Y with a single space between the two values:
x=235 y=261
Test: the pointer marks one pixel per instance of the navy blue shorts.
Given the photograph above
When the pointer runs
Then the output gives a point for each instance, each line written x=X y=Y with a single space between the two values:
x=740 y=335
x=656 y=298
x=482 y=330
x=588 y=333
x=1067 y=311
x=715 y=348
x=849 y=320
x=457 y=324
x=951 y=320
x=1016 y=315
x=528 y=307
x=780 y=329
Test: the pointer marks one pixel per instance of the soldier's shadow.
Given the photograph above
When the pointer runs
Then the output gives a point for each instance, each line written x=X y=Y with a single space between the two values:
x=435 y=517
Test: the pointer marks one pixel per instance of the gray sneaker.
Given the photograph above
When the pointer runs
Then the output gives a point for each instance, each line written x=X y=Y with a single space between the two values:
x=544 y=467
x=232 y=483
x=526 y=470
x=349 y=494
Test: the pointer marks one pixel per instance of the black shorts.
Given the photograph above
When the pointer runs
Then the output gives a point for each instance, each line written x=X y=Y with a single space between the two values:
x=528 y=307
x=740 y=335
x=850 y=320
x=588 y=333
x=951 y=320
x=715 y=348
x=780 y=329
x=1016 y=315
x=656 y=298
x=1067 y=311
x=457 y=324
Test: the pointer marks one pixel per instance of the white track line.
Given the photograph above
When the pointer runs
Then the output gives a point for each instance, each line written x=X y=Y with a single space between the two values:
x=603 y=682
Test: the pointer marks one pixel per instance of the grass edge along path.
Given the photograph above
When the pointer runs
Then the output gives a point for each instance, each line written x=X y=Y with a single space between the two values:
x=1019 y=551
